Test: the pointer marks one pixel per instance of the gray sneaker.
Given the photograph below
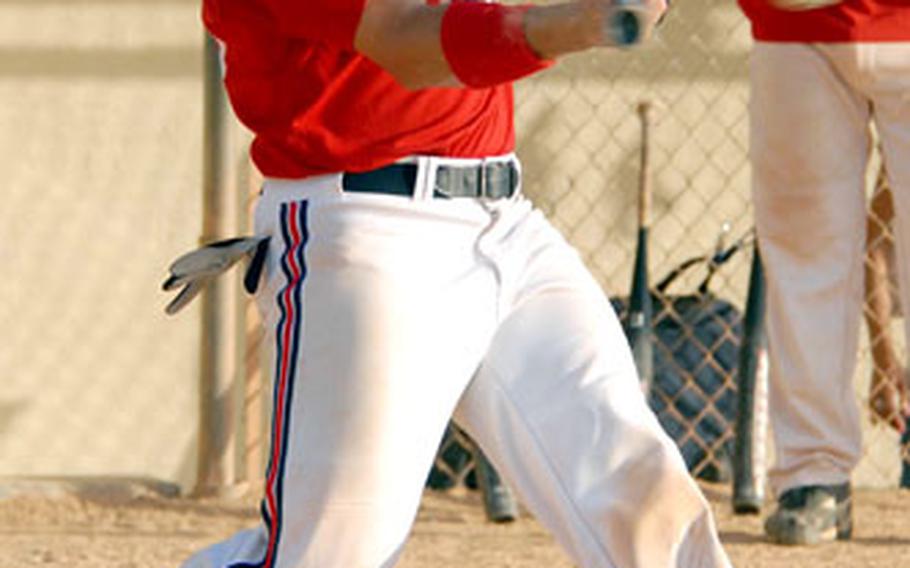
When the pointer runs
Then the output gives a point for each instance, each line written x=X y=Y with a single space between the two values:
x=812 y=514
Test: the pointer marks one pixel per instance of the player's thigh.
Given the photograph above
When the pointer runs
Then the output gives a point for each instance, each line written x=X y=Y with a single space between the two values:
x=559 y=367
x=805 y=110
x=560 y=344
x=809 y=144
x=558 y=371
x=375 y=330
x=891 y=69
x=558 y=408
x=388 y=344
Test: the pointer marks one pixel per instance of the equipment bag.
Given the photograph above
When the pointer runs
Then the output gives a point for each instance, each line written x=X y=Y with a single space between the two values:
x=696 y=348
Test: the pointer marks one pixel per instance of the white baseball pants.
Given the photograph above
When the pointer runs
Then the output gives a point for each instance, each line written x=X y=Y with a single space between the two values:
x=811 y=109
x=391 y=313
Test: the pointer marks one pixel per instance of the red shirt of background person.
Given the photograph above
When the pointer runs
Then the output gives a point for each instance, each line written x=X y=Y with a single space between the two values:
x=846 y=21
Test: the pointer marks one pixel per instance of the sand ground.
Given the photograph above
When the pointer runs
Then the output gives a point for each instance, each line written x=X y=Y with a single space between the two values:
x=145 y=530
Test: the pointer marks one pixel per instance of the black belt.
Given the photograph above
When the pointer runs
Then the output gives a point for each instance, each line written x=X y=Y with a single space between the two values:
x=494 y=180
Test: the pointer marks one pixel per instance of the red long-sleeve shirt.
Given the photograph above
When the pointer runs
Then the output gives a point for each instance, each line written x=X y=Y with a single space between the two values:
x=316 y=106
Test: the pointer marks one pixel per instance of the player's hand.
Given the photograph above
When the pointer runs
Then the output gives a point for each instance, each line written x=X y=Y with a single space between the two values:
x=554 y=30
x=888 y=397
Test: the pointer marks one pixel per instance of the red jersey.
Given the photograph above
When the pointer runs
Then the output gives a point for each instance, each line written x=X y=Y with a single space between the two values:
x=848 y=21
x=317 y=106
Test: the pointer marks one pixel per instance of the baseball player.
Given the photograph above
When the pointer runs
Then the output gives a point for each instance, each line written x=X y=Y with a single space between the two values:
x=820 y=72
x=408 y=279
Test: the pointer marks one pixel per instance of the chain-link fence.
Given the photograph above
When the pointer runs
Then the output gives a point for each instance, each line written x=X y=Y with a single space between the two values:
x=100 y=134
x=886 y=395
x=102 y=148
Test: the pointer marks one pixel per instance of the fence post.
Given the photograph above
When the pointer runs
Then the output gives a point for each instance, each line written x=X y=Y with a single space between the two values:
x=217 y=453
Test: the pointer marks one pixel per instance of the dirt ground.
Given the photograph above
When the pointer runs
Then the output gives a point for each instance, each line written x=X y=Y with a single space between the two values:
x=145 y=530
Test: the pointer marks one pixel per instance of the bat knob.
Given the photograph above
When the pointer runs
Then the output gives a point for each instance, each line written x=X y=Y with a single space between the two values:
x=644 y=108
x=625 y=28
x=624 y=25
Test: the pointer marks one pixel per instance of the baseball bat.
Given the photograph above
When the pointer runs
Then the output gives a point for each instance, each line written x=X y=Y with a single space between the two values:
x=905 y=458
x=499 y=502
x=751 y=426
x=640 y=313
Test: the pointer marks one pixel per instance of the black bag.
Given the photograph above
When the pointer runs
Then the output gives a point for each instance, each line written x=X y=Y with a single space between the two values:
x=696 y=349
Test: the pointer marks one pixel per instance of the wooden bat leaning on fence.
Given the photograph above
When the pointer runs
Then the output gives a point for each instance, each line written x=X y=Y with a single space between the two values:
x=639 y=328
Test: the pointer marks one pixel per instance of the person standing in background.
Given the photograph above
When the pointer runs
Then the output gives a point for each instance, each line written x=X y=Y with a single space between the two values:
x=820 y=71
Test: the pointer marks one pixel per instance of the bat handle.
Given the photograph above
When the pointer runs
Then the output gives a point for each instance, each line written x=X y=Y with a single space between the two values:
x=644 y=179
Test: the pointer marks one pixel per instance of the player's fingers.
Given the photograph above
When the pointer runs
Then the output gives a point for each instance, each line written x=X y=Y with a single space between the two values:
x=902 y=394
x=886 y=405
x=892 y=419
x=877 y=409
x=897 y=422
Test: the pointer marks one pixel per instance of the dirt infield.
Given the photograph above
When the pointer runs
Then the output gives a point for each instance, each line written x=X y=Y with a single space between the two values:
x=101 y=530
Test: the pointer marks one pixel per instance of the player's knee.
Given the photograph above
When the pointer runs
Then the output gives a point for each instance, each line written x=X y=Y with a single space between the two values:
x=666 y=483
x=660 y=509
